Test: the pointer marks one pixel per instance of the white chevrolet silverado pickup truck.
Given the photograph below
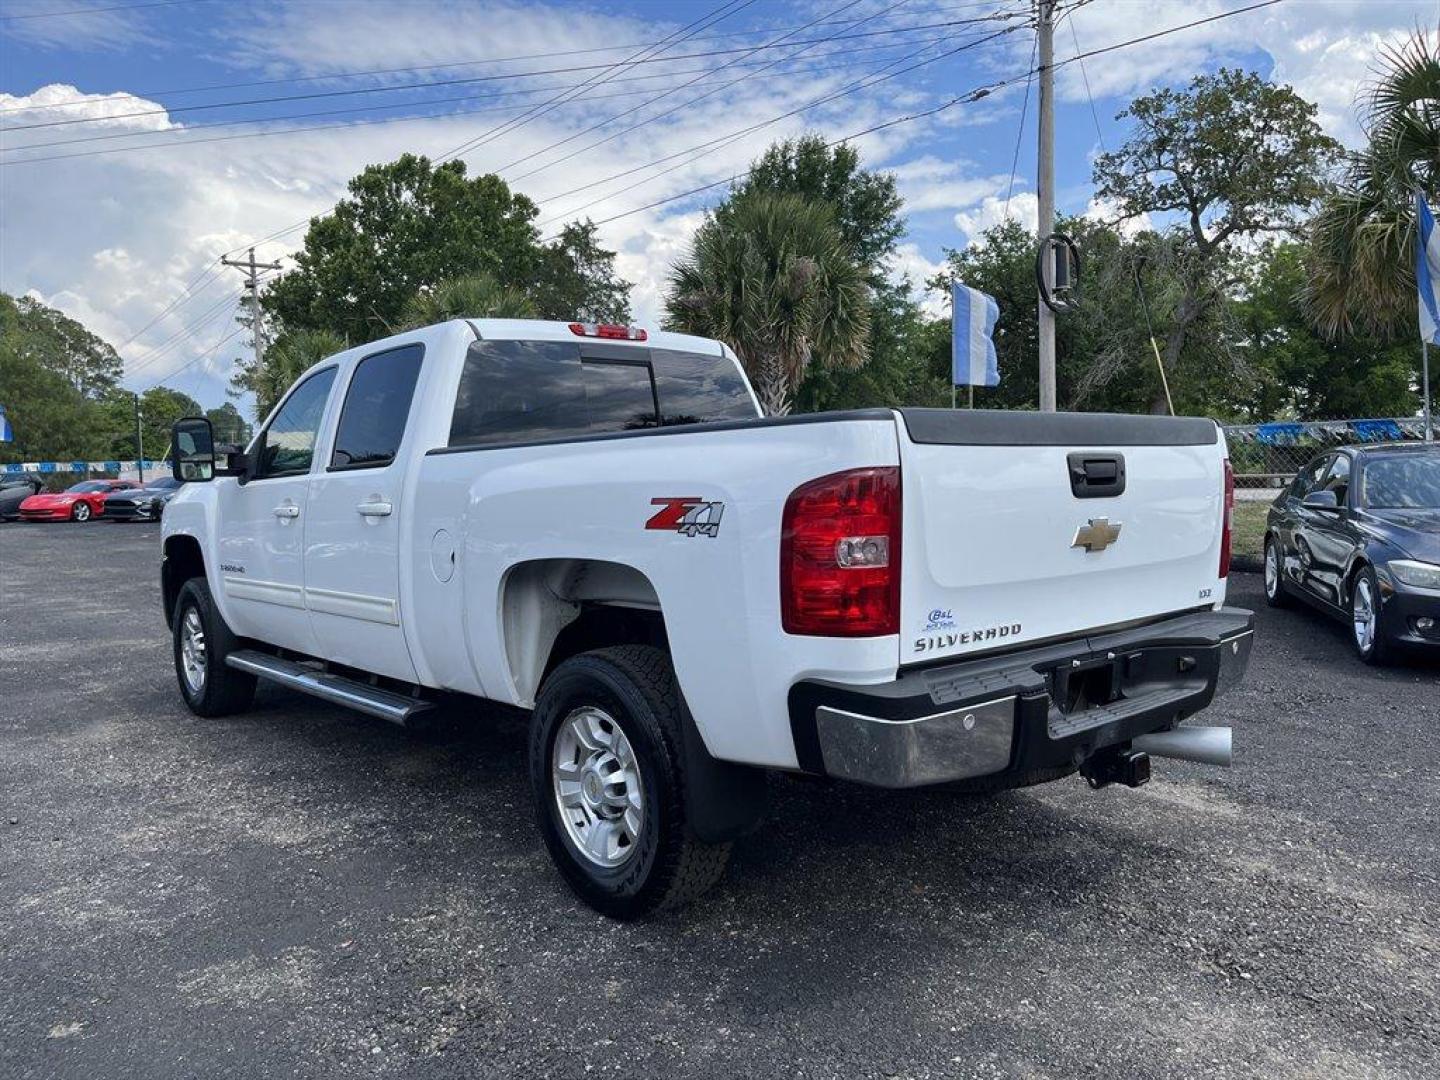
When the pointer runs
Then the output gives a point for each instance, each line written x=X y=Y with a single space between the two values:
x=595 y=524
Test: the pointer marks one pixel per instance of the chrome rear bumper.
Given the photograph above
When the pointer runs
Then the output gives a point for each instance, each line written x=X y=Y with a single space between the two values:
x=1021 y=711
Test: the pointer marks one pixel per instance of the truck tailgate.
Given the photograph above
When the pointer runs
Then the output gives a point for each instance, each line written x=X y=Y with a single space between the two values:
x=999 y=508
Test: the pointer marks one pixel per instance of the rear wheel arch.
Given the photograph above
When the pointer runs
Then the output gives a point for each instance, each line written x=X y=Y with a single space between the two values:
x=552 y=609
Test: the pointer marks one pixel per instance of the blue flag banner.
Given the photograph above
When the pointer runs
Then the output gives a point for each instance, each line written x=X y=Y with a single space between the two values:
x=7 y=433
x=1427 y=271
x=972 y=350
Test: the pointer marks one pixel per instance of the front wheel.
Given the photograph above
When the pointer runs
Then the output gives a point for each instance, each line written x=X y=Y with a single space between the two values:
x=1369 y=641
x=81 y=512
x=209 y=686
x=608 y=783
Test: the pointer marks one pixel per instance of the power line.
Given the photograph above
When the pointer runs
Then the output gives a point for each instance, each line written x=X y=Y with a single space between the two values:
x=475 y=62
x=726 y=9
x=631 y=62
x=196 y=359
x=613 y=71
x=184 y=333
x=208 y=269
x=98 y=10
x=1020 y=134
x=1095 y=115
x=972 y=96
x=700 y=149
x=668 y=112
x=86 y=139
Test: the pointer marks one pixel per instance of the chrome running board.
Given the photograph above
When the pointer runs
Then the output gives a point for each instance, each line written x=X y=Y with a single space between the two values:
x=336 y=689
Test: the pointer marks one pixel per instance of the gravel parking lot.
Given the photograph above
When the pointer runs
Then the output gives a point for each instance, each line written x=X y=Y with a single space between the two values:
x=303 y=891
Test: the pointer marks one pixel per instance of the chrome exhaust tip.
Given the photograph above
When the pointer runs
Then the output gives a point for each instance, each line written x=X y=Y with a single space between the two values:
x=1205 y=745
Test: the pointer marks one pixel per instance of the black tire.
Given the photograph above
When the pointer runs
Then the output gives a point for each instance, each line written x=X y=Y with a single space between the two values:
x=1379 y=649
x=81 y=511
x=223 y=690
x=1276 y=595
x=634 y=686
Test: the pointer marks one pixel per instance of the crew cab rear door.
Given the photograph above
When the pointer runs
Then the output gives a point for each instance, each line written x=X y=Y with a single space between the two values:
x=1020 y=527
x=354 y=528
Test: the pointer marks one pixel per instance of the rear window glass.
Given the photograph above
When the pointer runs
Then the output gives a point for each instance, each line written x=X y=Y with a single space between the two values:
x=524 y=391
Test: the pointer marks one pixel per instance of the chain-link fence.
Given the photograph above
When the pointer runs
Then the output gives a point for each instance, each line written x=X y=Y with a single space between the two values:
x=1269 y=455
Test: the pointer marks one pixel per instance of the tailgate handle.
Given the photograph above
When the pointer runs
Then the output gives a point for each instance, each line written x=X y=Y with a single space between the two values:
x=1096 y=476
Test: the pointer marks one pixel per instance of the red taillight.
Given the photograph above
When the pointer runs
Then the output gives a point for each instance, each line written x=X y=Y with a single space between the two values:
x=613 y=331
x=840 y=555
x=1228 y=509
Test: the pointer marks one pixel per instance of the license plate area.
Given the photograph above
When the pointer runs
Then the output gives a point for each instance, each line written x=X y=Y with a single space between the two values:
x=1080 y=685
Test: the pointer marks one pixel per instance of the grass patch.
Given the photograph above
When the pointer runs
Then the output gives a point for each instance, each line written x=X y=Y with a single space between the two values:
x=1248 y=528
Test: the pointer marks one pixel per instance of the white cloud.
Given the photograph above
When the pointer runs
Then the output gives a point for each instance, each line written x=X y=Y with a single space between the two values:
x=910 y=265
x=1023 y=207
x=930 y=183
x=1106 y=211
x=1325 y=50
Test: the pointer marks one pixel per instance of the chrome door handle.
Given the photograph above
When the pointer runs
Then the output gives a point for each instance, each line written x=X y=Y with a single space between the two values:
x=287 y=511
x=374 y=509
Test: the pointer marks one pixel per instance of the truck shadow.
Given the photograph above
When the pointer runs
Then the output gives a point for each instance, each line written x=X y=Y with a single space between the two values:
x=840 y=882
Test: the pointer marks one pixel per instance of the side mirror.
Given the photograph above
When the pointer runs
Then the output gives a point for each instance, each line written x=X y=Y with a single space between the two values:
x=192 y=440
x=1321 y=500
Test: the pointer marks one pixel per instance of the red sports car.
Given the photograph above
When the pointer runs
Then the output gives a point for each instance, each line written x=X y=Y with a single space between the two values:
x=79 y=502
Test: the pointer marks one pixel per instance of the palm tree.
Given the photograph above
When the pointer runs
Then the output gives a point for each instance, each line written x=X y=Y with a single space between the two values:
x=285 y=361
x=1362 y=239
x=478 y=296
x=769 y=276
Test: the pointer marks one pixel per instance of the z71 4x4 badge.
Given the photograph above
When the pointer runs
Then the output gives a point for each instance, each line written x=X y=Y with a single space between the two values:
x=688 y=516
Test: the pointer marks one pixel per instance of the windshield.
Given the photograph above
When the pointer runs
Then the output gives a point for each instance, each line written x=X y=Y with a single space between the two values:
x=165 y=483
x=86 y=487
x=1403 y=482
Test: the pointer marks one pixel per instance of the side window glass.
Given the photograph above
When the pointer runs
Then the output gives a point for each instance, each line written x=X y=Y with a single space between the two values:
x=289 y=441
x=1309 y=478
x=377 y=403
x=1338 y=479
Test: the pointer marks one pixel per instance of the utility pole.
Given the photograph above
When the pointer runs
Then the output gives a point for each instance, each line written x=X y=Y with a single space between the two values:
x=252 y=269
x=139 y=440
x=1045 y=191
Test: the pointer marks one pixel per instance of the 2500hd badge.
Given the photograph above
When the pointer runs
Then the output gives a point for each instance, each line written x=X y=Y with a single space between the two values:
x=964 y=637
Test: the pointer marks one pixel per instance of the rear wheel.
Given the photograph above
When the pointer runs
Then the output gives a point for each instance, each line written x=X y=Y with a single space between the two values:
x=608 y=783
x=81 y=511
x=209 y=686
x=1275 y=594
x=1370 y=643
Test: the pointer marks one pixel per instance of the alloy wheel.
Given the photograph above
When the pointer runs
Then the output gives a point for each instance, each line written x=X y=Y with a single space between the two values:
x=1364 y=618
x=598 y=788
x=192 y=652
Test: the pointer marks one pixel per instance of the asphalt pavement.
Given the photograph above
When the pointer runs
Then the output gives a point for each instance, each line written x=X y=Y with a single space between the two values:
x=302 y=891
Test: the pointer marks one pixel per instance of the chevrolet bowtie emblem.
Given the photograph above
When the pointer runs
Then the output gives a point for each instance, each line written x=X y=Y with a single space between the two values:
x=1097 y=535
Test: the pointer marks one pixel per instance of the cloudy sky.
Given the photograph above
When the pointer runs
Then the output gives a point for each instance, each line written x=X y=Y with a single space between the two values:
x=140 y=141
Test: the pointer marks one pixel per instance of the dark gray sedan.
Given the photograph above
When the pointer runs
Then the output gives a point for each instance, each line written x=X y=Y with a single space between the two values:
x=1357 y=535
x=141 y=504
x=15 y=488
